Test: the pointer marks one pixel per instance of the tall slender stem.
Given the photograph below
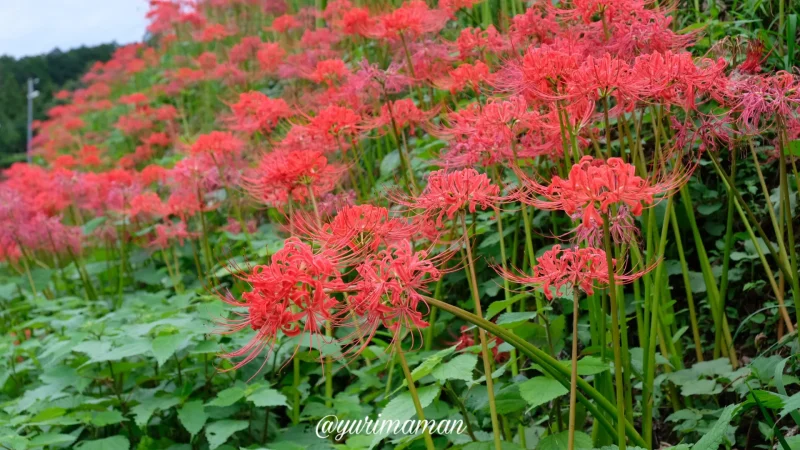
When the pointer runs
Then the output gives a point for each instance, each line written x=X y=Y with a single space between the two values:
x=487 y=365
x=412 y=390
x=615 y=336
x=573 y=385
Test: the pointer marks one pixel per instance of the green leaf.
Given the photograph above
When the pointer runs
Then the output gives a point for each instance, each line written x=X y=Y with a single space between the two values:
x=709 y=209
x=390 y=164
x=143 y=411
x=401 y=408
x=193 y=416
x=165 y=346
x=218 y=433
x=791 y=405
x=13 y=441
x=458 y=368
x=134 y=348
x=540 y=390
x=712 y=439
x=511 y=319
x=499 y=306
x=227 y=397
x=559 y=441
x=46 y=439
x=267 y=396
x=700 y=387
x=112 y=443
x=103 y=418
x=430 y=363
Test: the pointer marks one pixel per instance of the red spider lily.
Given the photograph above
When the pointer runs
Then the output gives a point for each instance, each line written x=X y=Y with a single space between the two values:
x=146 y=205
x=213 y=32
x=604 y=77
x=755 y=57
x=358 y=229
x=289 y=295
x=464 y=76
x=256 y=112
x=486 y=135
x=593 y=186
x=219 y=144
x=321 y=39
x=170 y=232
x=398 y=115
x=283 y=176
x=336 y=121
x=543 y=72
x=135 y=99
x=388 y=291
x=467 y=339
x=760 y=100
x=574 y=268
x=409 y=21
x=284 y=23
x=356 y=21
x=474 y=42
x=675 y=78
x=245 y=50
x=329 y=71
x=235 y=227
x=449 y=193
x=270 y=56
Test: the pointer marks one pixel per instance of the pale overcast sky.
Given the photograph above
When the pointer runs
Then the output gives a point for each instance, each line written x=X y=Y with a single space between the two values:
x=33 y=27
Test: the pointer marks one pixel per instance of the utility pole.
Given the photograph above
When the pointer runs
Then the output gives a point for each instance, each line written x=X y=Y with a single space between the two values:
x=32 y=94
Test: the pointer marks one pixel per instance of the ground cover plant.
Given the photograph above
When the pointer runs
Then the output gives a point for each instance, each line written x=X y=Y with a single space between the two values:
x=569 y=225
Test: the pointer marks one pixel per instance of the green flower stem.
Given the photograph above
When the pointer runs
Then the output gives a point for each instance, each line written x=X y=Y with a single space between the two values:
x=698 y=344
x=573 y=385
x=412 y=389
x=615 y=337
x=651 y=338
x=720 y=320
x=487 y=364
x=726 y=259
x=592 y=399
x=779 y=259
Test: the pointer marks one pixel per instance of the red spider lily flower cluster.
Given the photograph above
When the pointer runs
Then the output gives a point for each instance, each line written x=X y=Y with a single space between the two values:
x=449 y=193
x=287 y=114
x=593 y=187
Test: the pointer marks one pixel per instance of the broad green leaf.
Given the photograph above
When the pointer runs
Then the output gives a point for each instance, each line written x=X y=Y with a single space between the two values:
x=511 y=319
x=103 y=418
x=430 y=363
x=135 y=348
x=227 y=397
x=700 y=387
x=13 y=441
x=540 y=390
x=218 y=433
x=559 y=441
x=390 y=164
x=589 y=365
x=499 y=306
x=193 y=416
x=144 y=410
x=112 y=443
x=791 y=405
x=712 y=439
x=163 y=347
x=267 y=396
x=458 y=368
x=401 y=408
x=721 y=366
x=47 y=439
